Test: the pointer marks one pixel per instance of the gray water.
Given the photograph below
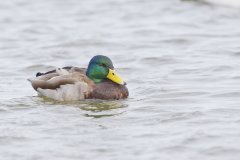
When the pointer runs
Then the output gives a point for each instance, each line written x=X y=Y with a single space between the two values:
x=181 y=60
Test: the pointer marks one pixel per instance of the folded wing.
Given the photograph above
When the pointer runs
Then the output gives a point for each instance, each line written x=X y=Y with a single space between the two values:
x=63 y=85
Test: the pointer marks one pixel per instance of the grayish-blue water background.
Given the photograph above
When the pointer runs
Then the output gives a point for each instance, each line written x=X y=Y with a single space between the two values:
x=181 y=60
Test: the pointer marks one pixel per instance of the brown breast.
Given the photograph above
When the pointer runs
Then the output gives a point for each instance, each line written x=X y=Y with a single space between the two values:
x=109 y=90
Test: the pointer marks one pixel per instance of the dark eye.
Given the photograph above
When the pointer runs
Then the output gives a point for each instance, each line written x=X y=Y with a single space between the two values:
x=103 y=64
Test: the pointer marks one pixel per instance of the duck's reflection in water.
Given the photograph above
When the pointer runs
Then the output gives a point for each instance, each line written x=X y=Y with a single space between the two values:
x=100 y=108
x=93 y=108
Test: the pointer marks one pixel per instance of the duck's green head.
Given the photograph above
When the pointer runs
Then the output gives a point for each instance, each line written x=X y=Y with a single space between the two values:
x=101 y=68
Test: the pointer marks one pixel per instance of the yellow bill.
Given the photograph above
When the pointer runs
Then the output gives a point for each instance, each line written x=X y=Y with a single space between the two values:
x=112 y=75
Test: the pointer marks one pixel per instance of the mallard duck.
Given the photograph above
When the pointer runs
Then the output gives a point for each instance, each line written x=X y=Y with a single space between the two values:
x=98 y=81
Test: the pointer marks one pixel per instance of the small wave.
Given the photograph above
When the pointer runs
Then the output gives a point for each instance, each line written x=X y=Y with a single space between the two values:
x=37 y=67
x=230 y=3
x=181 y=116
x=158 y=60
x=234 y=94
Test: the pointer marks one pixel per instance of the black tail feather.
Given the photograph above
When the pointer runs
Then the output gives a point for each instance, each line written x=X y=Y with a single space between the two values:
x=39 y=74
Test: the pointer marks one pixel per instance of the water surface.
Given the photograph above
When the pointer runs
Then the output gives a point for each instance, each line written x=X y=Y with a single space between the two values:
x=181 y=60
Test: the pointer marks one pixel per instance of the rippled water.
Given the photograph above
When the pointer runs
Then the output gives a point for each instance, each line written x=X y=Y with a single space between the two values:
x=181 y=60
